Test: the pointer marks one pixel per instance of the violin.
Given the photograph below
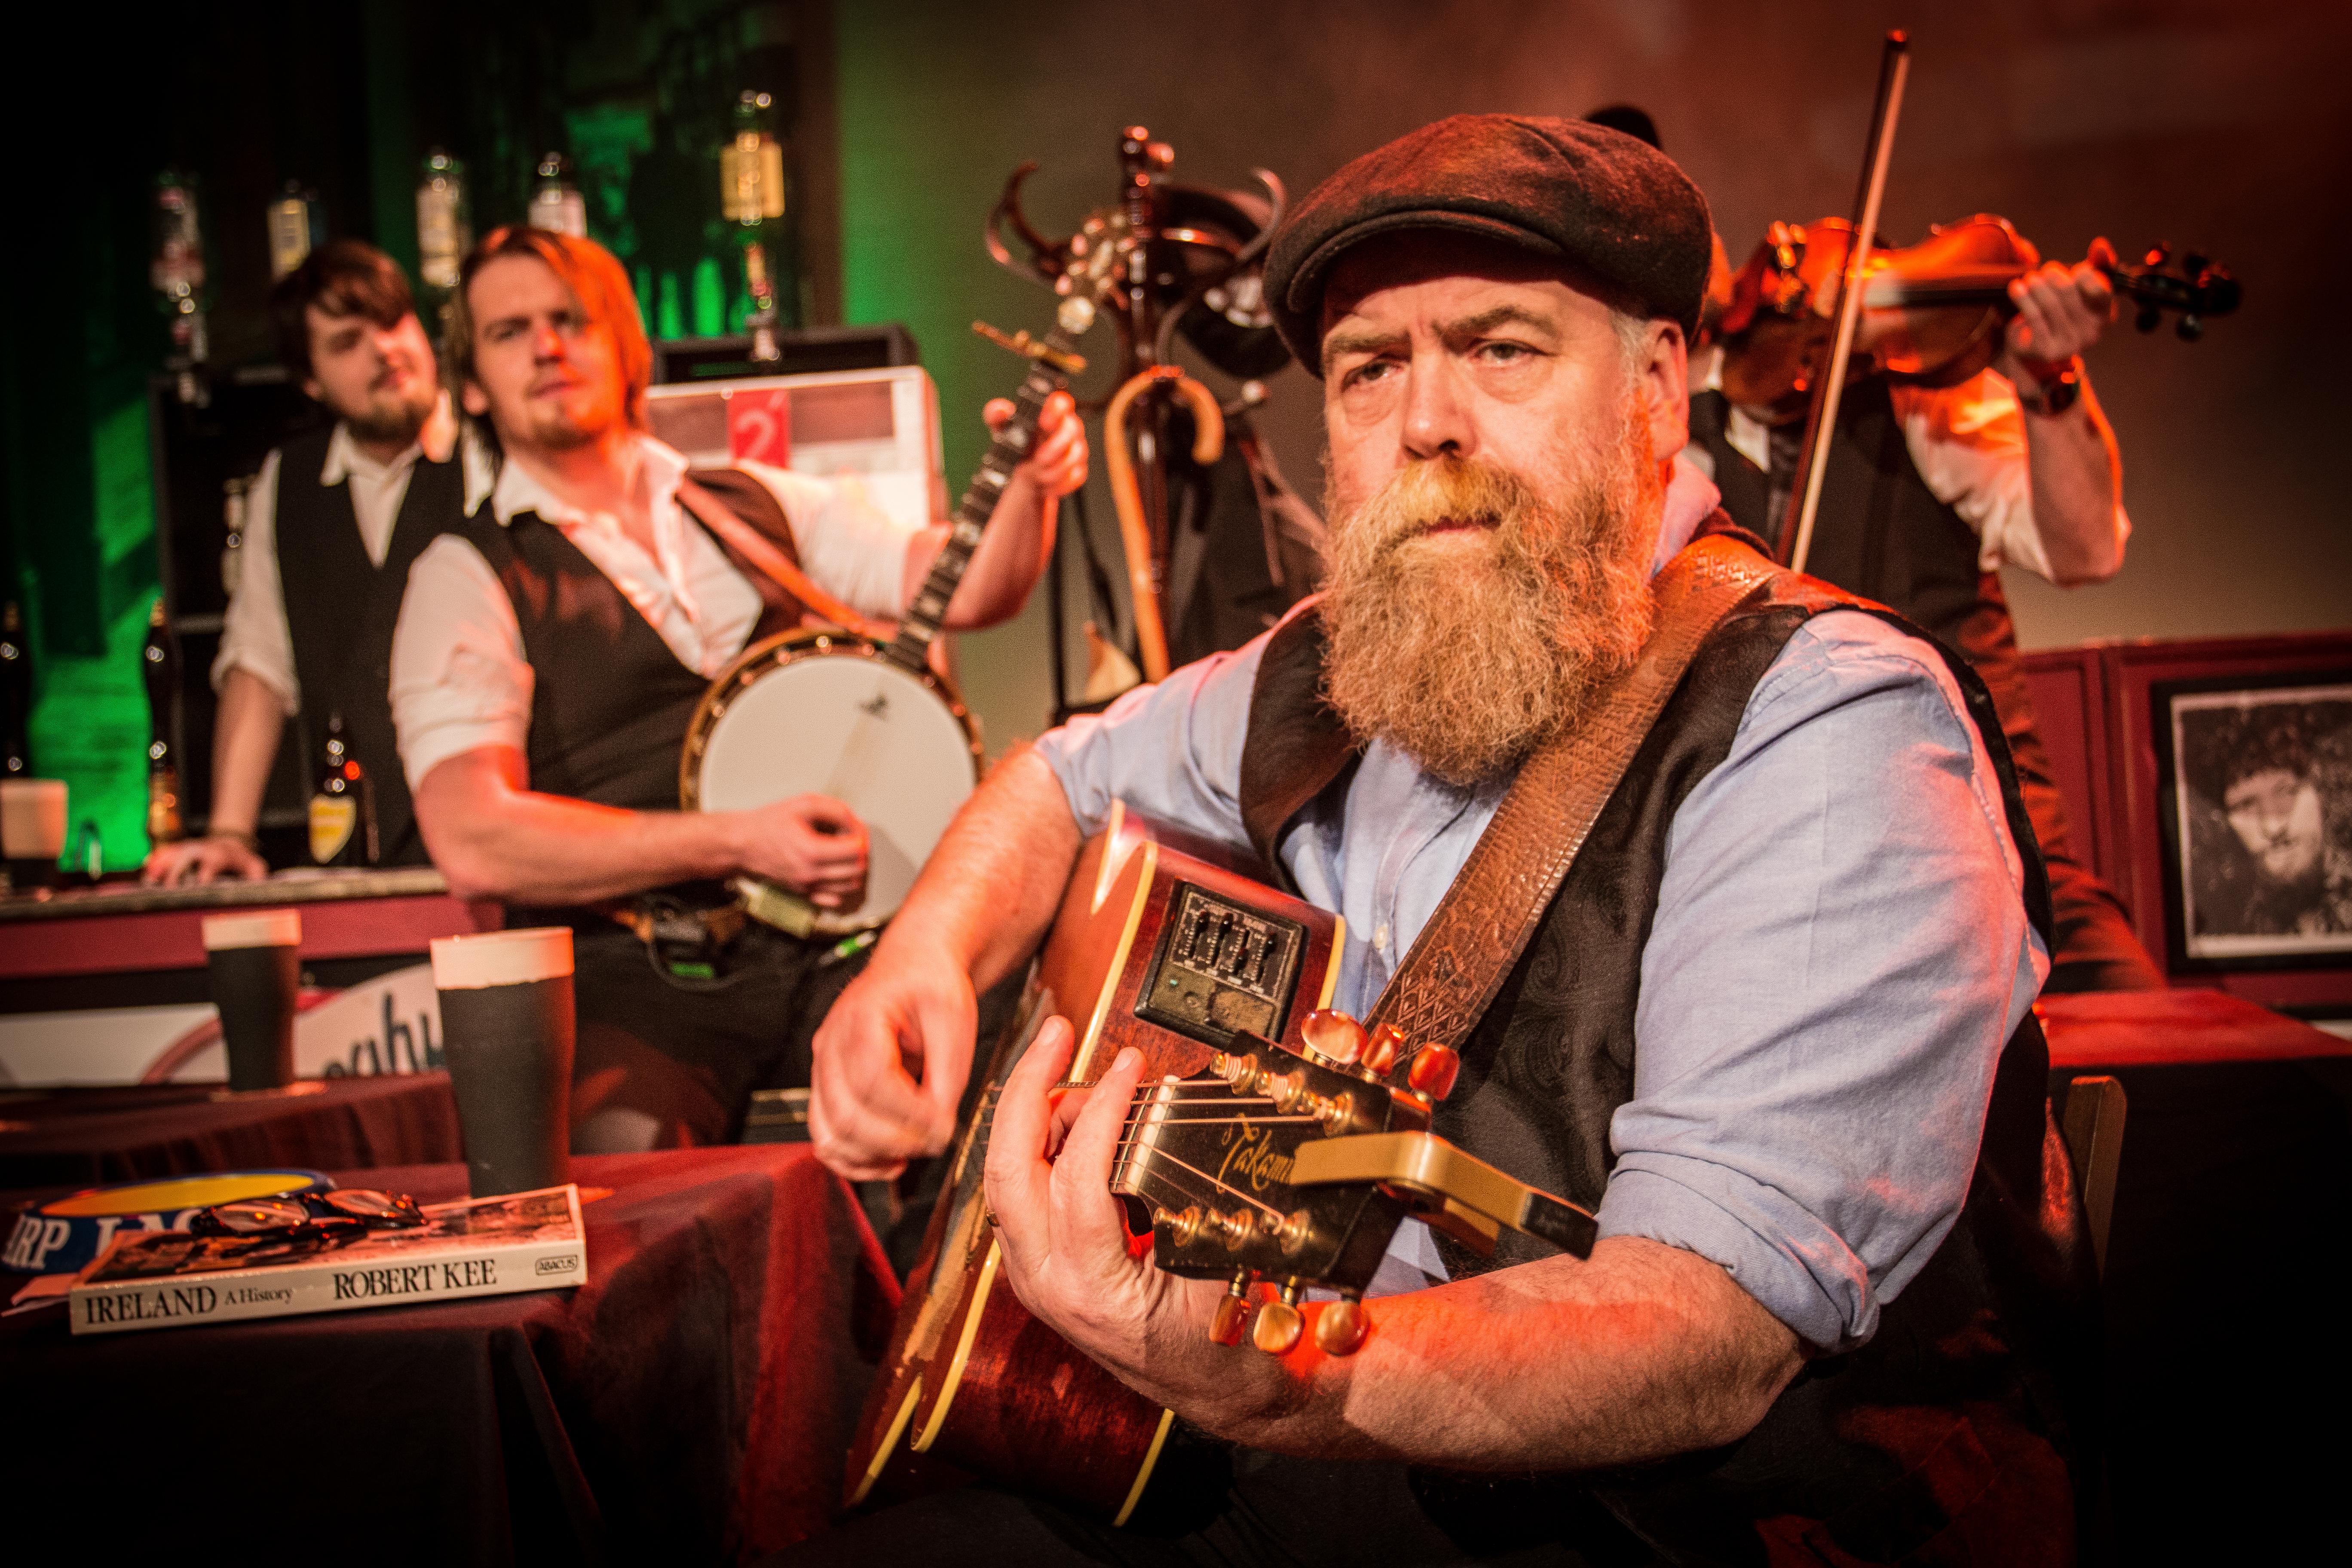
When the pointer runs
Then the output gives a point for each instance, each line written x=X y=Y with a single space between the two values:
x=1932 y=314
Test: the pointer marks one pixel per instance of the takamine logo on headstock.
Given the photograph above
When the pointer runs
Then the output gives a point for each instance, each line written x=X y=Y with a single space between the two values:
x=1299 y=1166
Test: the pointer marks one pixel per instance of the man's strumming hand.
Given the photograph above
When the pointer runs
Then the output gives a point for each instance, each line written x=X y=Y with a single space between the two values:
x=812 y=844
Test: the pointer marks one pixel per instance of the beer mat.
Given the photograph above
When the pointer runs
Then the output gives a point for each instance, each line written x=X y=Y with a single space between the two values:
x=63 y=1235
x=476 y=1246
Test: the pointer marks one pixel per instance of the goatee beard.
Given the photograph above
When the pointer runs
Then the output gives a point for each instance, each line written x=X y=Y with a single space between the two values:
x=1468 y=653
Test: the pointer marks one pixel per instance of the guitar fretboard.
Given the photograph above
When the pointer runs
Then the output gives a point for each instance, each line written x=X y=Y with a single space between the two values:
x=1014 y=441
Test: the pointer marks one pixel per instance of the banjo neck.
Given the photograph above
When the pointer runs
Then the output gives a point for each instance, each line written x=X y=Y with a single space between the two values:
x=911 y=647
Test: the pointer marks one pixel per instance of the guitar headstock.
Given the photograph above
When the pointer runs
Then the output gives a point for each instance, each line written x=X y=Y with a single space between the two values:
x=1208 y=1161
x=2195 y=286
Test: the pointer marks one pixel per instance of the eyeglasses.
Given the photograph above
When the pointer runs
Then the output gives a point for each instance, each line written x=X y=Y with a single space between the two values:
x=310 y=1220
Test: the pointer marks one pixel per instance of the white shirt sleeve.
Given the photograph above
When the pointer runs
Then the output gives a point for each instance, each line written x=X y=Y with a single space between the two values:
x=853 y=549
x=1969 y=444
x=255 y=637
x=459 y=679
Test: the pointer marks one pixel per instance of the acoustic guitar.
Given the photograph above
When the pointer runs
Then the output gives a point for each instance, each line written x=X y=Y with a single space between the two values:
x=1274 y=1145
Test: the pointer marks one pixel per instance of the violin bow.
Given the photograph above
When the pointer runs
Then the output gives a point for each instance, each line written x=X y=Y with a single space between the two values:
x=1829 y=383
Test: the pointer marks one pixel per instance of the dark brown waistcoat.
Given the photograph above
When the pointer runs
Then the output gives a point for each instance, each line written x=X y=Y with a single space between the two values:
x=611 y=703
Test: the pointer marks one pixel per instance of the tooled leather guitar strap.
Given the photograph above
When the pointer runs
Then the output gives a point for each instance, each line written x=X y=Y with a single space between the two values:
x=1487 y=917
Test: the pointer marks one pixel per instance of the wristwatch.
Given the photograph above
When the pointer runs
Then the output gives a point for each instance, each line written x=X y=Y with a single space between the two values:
x=2053 y=393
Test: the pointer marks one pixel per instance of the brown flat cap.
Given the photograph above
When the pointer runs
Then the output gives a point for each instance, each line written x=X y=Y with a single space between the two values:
x=1613 y=206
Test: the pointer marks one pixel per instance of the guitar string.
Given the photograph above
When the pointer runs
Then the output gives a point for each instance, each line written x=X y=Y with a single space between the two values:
x=1184 y=1191
x=1128 y=1145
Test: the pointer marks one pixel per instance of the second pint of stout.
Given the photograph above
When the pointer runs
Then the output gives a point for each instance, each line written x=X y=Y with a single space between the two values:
x=506 y=1032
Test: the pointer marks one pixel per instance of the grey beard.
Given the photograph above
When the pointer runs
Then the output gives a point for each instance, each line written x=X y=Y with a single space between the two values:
x=1467 y=663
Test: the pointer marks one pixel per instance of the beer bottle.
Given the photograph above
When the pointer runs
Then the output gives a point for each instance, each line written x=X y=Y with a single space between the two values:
x=342 y=806
x=159 y=662
x=15 y=696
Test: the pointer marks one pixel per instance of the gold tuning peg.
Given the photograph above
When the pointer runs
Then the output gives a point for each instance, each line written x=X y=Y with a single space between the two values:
x=1027 y=347
x=1340 y=1326
x=1432 y=1072
x=1332 y=1033
x=1278 y=1322
x=1233 y=1311
x=1380 y=1049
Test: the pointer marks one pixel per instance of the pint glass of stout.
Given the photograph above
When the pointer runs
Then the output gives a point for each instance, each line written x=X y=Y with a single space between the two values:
x=33 y=831
x=256 y=972
x=505 y=1028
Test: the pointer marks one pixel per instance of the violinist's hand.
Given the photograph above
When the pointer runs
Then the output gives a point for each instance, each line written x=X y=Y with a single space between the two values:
x=2061 y=311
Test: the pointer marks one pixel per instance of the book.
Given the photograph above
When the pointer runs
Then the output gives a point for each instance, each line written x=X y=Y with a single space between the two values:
x=480 y=1247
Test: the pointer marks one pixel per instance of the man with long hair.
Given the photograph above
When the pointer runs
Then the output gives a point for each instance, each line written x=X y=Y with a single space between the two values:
x=332 y=525
x=1773 y=1027
x=553 y=650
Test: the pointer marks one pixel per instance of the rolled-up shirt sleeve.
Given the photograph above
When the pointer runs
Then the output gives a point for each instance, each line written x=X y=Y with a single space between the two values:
x=1839 y=956
x=1969 y=444
x=850 y=546
x=255 y=635
x=1171 y=750
x=459 y=676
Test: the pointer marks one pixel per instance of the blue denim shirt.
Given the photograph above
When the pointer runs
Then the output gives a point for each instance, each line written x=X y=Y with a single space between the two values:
x=1839 y=954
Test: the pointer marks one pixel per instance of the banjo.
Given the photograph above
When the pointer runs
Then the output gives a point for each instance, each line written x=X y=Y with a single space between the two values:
x=826 y=710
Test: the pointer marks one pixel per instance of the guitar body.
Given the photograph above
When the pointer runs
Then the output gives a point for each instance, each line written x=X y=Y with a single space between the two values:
x=970 y=1378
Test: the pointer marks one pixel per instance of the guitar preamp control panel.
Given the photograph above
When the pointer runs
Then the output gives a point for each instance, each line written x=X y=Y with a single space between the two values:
x=1222 y=967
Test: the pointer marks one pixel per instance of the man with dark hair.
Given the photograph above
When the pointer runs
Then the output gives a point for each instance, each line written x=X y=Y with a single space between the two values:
x=2260 y=770
x=1773 y=1026
x=554 y=647
x=332 y=525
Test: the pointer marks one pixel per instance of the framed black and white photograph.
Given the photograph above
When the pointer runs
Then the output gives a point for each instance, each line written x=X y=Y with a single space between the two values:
x=2257 y=781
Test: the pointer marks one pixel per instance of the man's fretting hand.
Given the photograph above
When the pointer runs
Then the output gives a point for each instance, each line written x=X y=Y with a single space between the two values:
x=1056 y=465
x=812 y=844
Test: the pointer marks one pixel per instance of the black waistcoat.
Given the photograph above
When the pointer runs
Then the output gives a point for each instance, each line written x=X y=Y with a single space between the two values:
x=1882 y=533
x=1974 y=1371
x=611 y=703
x=341 y=609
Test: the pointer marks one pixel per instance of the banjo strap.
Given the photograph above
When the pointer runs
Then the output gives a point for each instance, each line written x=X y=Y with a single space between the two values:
x=754 y=547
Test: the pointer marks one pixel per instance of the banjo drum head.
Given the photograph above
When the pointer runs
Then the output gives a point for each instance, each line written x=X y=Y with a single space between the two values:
x=834 y=718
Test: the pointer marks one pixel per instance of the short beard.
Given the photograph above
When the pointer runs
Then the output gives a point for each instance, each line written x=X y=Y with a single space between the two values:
x=1467 y=659
x=394 y=424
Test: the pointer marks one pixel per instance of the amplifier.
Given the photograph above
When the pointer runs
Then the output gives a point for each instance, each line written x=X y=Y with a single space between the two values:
x=880 y=425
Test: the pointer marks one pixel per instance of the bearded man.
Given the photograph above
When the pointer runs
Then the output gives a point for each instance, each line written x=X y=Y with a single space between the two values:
x=332 y=523
x=1773 y=1026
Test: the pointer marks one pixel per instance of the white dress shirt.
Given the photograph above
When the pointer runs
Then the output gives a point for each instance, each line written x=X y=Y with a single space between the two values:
x=255 y=635
x=1967 y=442
x=460 y=679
